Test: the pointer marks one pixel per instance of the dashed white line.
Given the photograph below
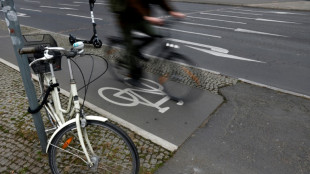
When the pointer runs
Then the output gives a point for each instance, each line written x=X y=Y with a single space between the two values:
x=257 y=19
x=237 y=30
x=270 y=20
x=88 y=3
x=183 y=31
x=274 y=12
x=32 y=1
x=215 y=20
x=204 y=25
x=30 y=9
x=83 y=16
x=226 y=16
x=22 y=15
x=61 y=8
x=257 y=32
x=71 y=5
x=240 y=13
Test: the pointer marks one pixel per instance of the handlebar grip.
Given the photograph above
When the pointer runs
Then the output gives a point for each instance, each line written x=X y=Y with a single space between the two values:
x=29 y=50
x=70 y=54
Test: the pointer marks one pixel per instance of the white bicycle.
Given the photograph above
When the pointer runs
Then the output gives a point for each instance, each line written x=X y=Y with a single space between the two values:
x=79 y=143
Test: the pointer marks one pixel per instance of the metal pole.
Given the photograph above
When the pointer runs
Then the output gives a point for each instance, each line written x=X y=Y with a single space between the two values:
x=11 y=20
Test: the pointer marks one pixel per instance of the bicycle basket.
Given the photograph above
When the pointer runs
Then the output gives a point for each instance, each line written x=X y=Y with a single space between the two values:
x=45 y=40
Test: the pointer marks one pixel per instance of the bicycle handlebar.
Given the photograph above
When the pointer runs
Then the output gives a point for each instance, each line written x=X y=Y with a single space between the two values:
x=39 y=49
x=30 y=50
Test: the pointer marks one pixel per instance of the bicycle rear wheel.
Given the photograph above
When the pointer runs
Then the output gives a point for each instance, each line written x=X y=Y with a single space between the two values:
x=112 y=147
x=176 y=74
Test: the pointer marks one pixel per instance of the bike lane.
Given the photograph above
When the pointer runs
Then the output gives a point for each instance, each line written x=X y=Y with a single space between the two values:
x=148 y=114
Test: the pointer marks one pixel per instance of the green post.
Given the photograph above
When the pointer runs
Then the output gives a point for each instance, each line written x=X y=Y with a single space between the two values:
x=11 y=20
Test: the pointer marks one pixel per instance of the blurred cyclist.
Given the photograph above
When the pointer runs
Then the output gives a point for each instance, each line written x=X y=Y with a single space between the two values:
x=135 y=15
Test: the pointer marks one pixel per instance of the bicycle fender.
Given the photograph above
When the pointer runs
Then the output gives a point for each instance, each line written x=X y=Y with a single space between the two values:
x=90 y=117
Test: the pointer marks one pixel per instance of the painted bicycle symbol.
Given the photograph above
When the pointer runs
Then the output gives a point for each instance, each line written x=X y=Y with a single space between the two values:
x=129 y=97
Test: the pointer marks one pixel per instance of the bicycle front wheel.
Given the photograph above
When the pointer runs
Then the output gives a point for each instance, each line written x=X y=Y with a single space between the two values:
x=112 y=147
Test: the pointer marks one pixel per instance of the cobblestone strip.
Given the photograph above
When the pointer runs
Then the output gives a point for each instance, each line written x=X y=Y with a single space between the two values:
x=20 y=150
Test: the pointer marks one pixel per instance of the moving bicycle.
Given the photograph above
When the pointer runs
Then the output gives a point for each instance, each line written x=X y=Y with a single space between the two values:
x=135 y=16
x=163 y=65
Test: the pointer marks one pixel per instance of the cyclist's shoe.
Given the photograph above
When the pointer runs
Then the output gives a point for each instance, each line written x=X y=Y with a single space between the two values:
x=136 y=73
x=134 y=83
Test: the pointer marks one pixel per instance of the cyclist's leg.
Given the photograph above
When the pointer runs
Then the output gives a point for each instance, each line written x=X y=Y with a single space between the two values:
x=126 y=29
x=146 y=28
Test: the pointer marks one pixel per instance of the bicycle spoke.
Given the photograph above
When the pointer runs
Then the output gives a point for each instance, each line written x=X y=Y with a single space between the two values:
x=69 y=152
x=113 y=152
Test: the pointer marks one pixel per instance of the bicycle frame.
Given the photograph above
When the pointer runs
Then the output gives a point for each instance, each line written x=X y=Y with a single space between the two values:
x=57 y=114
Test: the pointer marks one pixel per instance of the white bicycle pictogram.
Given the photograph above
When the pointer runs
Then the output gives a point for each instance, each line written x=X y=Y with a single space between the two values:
x=131 y=98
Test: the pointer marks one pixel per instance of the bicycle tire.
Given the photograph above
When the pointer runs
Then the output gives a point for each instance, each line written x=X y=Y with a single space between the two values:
x=176 y=74
x=114 y=143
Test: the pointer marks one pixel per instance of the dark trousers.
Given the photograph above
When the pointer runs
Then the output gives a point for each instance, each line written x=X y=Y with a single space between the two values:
x=131 y=45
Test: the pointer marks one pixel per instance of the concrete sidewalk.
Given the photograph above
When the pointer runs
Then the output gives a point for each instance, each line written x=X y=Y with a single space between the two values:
x=255 y=131
x=279 y=4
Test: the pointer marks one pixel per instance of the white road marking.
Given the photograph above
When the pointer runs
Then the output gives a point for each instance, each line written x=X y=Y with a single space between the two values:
x=84 y=16
x=61 y=8
x=274 y=12
x=212 y=26
x=215 y=20
x=216 y=51
x=202 y=34
x=88 y=3
x=219 y=54
x=213 y=48
x=257 y=32
x=30 y=9
x=237 y=30
x=240 y=12
x=73 y=5
x=195 y=12
x=281 y=12
x=22 y=15
x=32 y=1
x=270 y=20
x=257 y=19
x=226 y=16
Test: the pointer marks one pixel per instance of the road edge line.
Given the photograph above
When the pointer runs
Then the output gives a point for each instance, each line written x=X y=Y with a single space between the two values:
x=274 y=88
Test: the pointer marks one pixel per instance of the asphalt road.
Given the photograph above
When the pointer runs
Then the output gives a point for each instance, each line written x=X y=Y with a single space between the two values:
x=265 y=46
